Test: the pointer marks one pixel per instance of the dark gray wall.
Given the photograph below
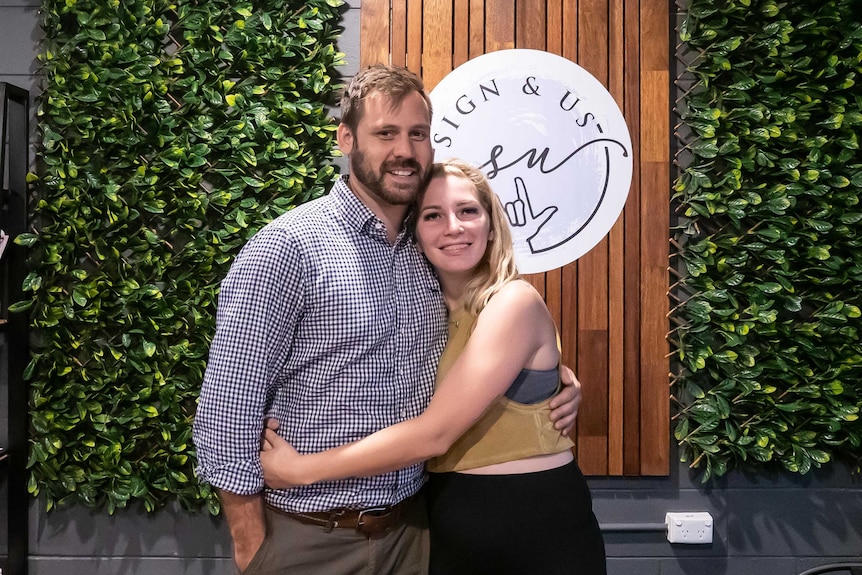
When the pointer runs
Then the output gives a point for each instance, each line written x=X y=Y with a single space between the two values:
x=764 y=525
x=777 y=525
x=19 y=36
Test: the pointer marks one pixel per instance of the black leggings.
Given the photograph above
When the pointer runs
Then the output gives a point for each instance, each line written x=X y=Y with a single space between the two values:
x=519 y=524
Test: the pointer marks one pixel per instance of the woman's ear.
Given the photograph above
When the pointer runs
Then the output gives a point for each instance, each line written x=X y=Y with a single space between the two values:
x=491 y=236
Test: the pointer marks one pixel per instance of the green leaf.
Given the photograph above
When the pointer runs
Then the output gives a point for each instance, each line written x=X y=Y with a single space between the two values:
x=818 y=455
x=818 y=252
x=26 y=240
x=32 y=282
x=21 y=306
x=769 y=287
x=149 y=348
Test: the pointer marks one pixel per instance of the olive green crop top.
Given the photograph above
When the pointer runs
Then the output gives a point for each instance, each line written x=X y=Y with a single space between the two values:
x=507 y=431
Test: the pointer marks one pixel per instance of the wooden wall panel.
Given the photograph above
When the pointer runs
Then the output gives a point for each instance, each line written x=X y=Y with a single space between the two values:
x=611 y=305
x=631 y=214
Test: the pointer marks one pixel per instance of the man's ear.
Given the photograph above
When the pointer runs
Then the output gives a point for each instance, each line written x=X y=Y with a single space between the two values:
x=344 y=137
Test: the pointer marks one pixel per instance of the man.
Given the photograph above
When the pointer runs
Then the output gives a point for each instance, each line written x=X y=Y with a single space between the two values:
x=330 y=322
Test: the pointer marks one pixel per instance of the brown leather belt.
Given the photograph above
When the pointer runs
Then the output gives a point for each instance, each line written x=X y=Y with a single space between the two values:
x=372 y=522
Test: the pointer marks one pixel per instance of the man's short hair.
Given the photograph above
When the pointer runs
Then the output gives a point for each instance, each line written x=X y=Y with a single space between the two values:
x=390 y=82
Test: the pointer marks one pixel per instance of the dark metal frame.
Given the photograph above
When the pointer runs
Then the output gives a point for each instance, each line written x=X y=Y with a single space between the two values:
x=15 y=157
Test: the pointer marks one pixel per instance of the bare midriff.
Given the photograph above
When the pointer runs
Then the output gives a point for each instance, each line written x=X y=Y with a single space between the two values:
x=526 y=465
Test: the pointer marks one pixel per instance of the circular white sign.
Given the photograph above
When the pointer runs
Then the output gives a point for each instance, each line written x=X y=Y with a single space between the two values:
x=551 y=140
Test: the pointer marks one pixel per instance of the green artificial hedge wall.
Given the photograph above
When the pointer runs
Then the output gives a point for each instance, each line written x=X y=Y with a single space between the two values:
x=770 y=230
x=170 y=133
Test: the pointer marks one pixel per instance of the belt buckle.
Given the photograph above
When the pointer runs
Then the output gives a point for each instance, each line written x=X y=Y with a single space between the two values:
x=375 y=512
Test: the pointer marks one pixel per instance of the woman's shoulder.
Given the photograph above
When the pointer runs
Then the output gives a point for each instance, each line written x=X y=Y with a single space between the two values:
x=517 y=295
x=517 y=308
x=521 y=290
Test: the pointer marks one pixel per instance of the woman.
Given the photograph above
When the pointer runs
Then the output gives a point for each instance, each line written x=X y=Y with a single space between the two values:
x=504 y=492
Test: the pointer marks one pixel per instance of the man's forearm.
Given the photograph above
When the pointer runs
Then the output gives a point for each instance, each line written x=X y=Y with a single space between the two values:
x=247 y=523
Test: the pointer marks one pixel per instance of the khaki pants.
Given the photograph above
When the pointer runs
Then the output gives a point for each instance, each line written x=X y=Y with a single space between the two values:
x=294 y=548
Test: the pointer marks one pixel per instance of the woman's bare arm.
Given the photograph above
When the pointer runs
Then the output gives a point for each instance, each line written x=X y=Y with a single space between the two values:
x=511 y=332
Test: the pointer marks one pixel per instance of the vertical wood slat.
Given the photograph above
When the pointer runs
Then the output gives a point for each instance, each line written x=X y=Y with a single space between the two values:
x=593 y=357
x=398 y=25
x=632 y=218
x=593 y=289
x=436 y=55
x=414 y=35
x=655 y=204
x=616 y=266
x=499 y=25
x=554 y=295
x=569 y=330
x=570 y=30
x=610 y=306
x=477 y=27
x=530 y=24
x=554 y=25
x=616 y=348
x=374 y=33
x=461 y=50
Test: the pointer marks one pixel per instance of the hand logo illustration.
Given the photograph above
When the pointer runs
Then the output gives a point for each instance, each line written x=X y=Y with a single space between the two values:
x=521 y=215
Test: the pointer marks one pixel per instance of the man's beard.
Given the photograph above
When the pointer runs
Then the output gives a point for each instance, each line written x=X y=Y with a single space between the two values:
x=375 y=182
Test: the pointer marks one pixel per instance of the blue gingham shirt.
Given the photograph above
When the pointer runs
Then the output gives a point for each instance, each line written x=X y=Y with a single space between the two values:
x=326 y=326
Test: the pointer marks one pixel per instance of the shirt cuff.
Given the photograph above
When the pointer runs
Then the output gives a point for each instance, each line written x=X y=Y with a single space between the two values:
x=240 y=478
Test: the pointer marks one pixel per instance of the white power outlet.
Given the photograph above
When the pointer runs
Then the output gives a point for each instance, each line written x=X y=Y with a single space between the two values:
x=691 y=528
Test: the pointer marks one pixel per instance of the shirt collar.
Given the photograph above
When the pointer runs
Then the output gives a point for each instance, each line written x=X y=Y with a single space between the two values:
x=360 y=216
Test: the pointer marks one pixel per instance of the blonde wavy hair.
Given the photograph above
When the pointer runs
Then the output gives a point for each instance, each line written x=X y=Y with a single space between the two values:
x=497 y=267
